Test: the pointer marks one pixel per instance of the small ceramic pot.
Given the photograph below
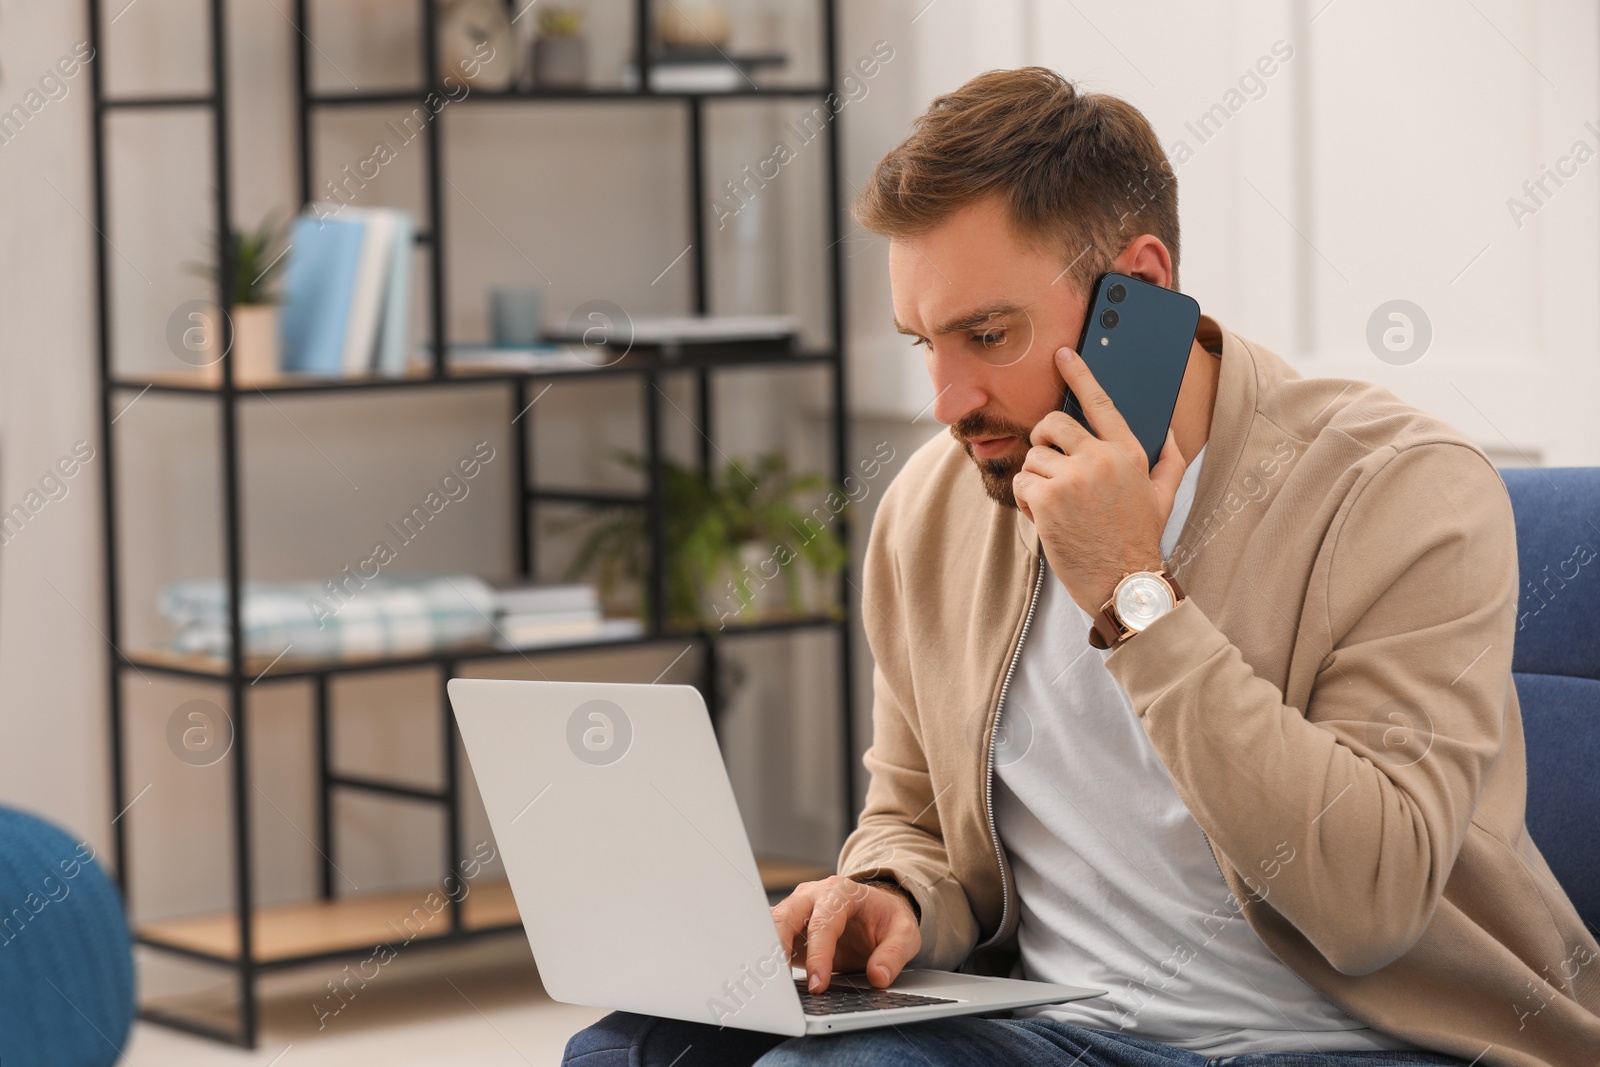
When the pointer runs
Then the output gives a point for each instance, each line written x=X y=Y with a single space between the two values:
x=255 y=344
x=560 y=62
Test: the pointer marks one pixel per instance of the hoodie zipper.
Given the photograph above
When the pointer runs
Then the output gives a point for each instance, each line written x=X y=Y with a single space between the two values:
x=988 y=783
x=1212 y=852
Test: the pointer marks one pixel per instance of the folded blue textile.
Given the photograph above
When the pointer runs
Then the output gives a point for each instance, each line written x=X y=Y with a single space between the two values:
x=380 y=616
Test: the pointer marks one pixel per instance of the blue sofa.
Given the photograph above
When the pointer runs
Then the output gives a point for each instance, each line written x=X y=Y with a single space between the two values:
x=1556 y=669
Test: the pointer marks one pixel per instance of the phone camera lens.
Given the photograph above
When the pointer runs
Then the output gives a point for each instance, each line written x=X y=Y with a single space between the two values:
x=1109 y=318
x=1117 y=293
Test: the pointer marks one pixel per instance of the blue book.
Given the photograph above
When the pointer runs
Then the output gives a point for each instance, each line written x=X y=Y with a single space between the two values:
x=320 y=279
x=394 y=334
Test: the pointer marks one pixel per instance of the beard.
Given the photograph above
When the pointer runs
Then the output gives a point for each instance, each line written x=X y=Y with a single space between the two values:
x=996 y=473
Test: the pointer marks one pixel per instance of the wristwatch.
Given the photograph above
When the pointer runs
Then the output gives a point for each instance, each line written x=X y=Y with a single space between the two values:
x=1141 y=597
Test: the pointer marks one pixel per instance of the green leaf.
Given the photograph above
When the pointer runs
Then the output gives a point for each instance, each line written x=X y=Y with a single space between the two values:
x=257 y=258
x=708 y=521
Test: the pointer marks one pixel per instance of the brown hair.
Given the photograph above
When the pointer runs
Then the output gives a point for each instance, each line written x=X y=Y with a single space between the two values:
x=1083 y=173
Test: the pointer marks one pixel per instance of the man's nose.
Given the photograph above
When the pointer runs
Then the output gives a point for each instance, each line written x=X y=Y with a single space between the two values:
x=956 y=395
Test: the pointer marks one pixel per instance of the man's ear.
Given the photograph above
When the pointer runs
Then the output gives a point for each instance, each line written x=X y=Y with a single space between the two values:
x=1147 y=259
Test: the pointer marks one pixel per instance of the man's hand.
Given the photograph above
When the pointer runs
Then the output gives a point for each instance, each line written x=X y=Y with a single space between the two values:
x=839 y=923
x=1099 y=510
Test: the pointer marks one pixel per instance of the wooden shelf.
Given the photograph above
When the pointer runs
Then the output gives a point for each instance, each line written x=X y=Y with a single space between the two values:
x=780 y=875
x=566 y=95
x=347 y=929
x=286 y=933
x=301 y=666
x=194 y=382
x=289 y=931
x=200 y=665
x=186 y=383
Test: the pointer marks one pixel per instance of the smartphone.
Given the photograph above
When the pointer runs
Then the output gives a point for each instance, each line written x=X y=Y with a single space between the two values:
x=1136 y=341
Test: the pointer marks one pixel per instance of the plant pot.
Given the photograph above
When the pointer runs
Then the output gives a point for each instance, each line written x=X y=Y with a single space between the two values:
x=196 y=341
x=819 y=593
x=560 y=62
x=255 y=348
x=762 y=573
x=255 y=344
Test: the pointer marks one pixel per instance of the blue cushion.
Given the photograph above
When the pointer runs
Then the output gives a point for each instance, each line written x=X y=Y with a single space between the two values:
x=66 y=960
x=1556 y=668
x=1557 y=513
x=1561 y=720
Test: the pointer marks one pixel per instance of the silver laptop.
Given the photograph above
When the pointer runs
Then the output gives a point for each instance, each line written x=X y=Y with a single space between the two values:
x=634 y=877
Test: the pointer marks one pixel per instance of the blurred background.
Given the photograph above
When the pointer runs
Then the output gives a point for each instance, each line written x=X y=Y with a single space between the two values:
x=1404 y=194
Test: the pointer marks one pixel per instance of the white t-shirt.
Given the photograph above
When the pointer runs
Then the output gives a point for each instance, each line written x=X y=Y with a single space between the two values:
x=1118 y=887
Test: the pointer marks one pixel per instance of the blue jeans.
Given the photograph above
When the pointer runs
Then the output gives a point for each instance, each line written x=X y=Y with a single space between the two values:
x=623 y=1039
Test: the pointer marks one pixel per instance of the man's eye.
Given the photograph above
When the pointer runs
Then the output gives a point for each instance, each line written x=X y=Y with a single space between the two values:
x=990 y=338
x=918 y=341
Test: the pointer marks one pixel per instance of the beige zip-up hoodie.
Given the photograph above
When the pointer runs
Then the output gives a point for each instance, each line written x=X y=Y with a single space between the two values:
x=1333 y=701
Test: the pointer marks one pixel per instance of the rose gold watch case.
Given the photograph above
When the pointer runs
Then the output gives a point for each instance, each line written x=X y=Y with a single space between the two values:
x=1109 y=630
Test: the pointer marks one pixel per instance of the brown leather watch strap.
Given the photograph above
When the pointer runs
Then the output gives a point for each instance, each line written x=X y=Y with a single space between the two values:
x=1108 y=631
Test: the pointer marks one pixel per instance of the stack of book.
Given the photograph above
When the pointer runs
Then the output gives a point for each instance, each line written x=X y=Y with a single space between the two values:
x=387 y=616
x=687 y=338
x=541 y=358
x=555 y=614
x=708 y=70
x=347 y=292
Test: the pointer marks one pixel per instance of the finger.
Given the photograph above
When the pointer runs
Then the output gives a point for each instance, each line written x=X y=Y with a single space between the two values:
x=1044 y=461
x=1097 y=406
x=889 y=958
x=1169 y=468
x=828 y=921
x=790 y=916
x=1021 y=486
x=1059 y=431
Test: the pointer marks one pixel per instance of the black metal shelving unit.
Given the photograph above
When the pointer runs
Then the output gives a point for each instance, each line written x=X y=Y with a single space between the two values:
x=234 y=675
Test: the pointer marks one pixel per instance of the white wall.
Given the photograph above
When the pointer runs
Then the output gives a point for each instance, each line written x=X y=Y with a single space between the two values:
x=1374 y=164
x=51 y=659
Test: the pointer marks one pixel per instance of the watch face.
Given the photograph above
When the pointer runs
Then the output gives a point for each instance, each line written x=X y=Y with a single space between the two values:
x=1142 y=599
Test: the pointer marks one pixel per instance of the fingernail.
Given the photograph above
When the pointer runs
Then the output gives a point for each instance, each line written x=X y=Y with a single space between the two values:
x=814 y=982
x=1066 y=354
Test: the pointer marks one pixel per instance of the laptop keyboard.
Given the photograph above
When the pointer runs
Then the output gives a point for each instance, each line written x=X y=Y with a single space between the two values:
x=840 y=999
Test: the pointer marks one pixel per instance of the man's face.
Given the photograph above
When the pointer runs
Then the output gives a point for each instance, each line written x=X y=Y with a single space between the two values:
x=990 y=310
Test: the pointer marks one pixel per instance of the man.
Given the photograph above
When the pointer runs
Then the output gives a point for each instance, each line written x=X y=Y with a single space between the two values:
x=1281 y=815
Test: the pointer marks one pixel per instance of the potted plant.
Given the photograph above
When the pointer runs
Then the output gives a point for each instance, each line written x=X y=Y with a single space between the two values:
x=738 y=543
x=258 y=257
x=560 y=55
